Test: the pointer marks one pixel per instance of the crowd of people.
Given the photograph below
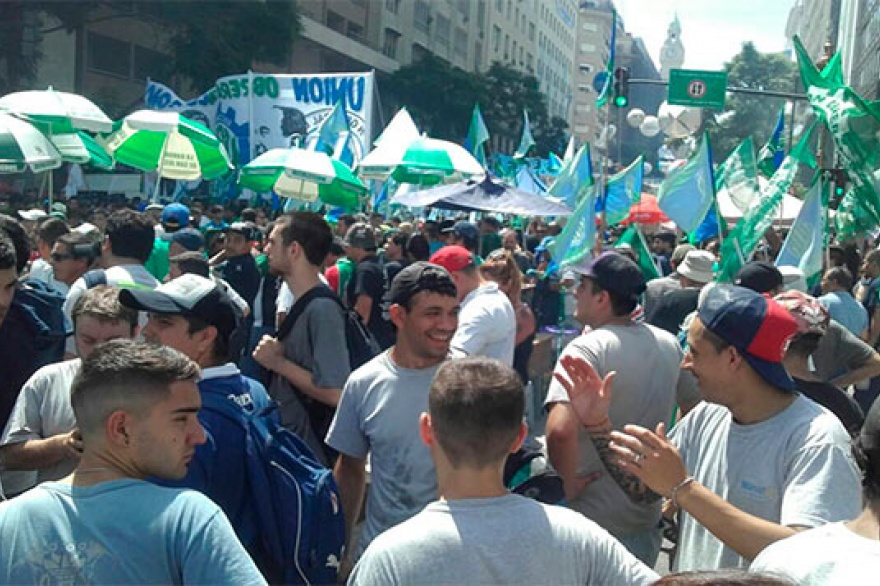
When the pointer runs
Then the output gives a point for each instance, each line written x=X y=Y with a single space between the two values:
x=735 y=422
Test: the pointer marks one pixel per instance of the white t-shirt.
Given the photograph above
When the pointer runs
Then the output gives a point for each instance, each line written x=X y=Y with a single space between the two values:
x=830 y=555
x=43 y=410
x=503 y=540
x=795 y=468
x=123 y=276
x=486 y=324
x=646 y=360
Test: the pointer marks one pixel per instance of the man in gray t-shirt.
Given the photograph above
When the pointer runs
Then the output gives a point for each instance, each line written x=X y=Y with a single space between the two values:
x=310 y=362
x=478 y=533
x=755 y=463
x=379 y=410
x=646 y=360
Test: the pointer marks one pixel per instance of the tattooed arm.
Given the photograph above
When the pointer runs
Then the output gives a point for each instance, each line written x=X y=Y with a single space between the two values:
x=632 y=486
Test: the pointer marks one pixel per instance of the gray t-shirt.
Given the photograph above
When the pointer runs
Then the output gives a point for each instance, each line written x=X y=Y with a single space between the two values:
x=793 y=469
x=43 y=410
x=838 y=352
x=317 y=344
x=503 y=540
x=831 y=554
x=379 y=414
x=647 y=363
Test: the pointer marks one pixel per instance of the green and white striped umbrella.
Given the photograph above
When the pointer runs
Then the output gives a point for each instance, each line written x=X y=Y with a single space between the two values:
x=58 y=112
x=23 y=146
x=79 y=147
x=170 y=144
x=305 y=175
x=424 y=161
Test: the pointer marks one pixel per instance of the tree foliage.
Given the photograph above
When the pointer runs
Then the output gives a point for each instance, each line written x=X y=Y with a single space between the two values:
x=208 y=39
x=753 y=116
x=440 y=99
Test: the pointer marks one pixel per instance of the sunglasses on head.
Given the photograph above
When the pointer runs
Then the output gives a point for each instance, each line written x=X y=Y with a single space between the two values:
x=58 y=257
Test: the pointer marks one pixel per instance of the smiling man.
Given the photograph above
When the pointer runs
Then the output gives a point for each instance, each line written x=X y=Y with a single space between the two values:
x=136 y=405
x=380 y=405
x=193 y=315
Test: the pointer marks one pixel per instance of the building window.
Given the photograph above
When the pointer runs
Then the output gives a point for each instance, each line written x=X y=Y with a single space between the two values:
x=499 y=6
x=421 y=16
x=588 y=48
x=442 y=30
x=478 y=56
x=590 y=26
x=109 y=55
x=496 y=38
x=481 y=15
x=461 y=42
x=531 y=31
x=389 y=46
x=356 y=32
x=336 y=22
x=392 y=6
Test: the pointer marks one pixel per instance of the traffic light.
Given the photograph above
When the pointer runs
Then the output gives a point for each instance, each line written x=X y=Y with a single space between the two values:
x=621 y=87
x=839 y=180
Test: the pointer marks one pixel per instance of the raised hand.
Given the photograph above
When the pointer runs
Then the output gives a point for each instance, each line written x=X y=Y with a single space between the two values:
x=590 y=395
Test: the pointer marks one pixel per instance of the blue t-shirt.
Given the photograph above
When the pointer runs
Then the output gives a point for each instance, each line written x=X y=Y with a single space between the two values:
x=218 y=468
x=119 y=532
x=844 y=309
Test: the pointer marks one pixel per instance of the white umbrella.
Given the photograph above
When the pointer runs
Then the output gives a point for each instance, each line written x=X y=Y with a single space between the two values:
x=389 y=147
x=60 y=111
x=23 y=147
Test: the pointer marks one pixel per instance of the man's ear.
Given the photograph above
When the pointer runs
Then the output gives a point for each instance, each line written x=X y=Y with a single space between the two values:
x=396 y=311
x=117 y=428
x=520 y=437
x=426 y=430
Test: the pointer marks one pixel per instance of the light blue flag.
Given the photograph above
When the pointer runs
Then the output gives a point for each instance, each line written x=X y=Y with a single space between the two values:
x=805 y=244
x=527 y=181
x=772 y=153
x=575 y=178
x=623 y=189
x=554 y=164
x=334 y=135
x=527 y=141
x=687 y=193
x=576 y=240
x=476 y=136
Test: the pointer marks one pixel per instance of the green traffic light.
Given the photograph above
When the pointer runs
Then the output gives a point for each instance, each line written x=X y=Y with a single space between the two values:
x=621 y=101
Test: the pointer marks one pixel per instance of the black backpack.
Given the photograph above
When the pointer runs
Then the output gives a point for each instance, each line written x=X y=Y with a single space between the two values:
x=362 y=345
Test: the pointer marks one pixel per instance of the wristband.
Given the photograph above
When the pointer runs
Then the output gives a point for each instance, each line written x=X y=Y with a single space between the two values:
x=673 y=494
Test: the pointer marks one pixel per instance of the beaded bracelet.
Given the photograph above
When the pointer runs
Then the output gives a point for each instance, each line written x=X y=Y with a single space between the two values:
x=673 y=494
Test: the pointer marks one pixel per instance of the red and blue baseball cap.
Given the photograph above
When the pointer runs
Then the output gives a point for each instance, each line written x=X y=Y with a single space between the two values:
x=754 y=324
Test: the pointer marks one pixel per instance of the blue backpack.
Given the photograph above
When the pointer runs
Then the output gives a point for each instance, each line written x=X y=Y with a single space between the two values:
x=295 y=499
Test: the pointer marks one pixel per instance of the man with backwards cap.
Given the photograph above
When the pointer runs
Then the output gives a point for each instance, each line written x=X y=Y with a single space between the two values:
x=646 y=360
x=755 y=462
x=838 y=553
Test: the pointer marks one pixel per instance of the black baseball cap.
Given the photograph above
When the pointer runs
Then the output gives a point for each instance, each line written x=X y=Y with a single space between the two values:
x=615 y=272
x=417 y=277
x=759 y=276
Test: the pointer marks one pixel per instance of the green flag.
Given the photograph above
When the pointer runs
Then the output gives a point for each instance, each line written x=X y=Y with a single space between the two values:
x=854 y=124
x=526 y=141
x=476 y=136
x=737 y=176
x=745 y=236
x=576 y=240
x=633 y=237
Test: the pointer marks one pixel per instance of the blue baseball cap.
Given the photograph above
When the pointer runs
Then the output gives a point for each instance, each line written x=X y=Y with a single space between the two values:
x=175 y=215
x=189 y=238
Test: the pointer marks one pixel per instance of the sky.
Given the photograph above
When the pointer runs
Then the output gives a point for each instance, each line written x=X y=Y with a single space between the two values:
x=712 y=31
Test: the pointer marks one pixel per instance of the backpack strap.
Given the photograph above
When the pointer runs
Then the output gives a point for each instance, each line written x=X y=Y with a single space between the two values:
x=300 y=305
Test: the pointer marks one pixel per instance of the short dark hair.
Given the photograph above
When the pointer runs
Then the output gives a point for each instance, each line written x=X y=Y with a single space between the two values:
x=102 y=303
x=220 y=349
x=418 y=248
x=476 y=407
x=310 y=231
x=193 y=262
x=131 y=234
x=51 y=229
x=620 y=305
x=16 y=233
x=125 y=374
x=717 y=341
x=841 y=277
x=7 y=253
x=667 y=238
